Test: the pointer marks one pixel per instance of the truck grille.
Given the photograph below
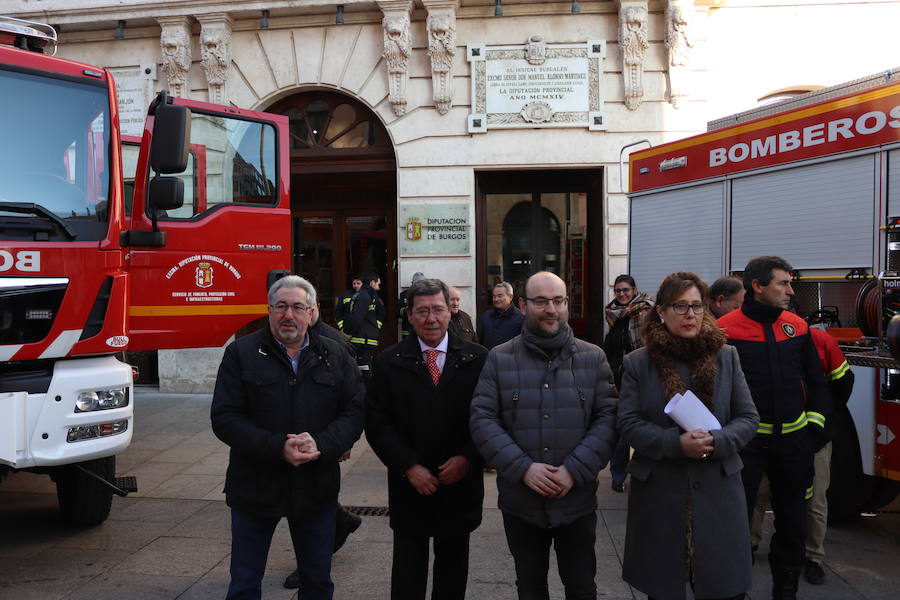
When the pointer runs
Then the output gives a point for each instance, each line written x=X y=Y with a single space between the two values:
x=28 y=307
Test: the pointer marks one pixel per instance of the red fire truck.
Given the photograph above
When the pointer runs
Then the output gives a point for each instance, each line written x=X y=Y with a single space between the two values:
x=90 y=268
x=816 y=180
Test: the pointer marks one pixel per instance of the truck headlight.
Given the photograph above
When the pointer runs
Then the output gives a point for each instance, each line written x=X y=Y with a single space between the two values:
x=101 y=399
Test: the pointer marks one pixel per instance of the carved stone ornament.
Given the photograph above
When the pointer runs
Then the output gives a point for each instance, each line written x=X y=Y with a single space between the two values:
x=537 y=112
x=215 y=51
x=633 y=41
x=397 y=50
x=679 y=45
x=536 y=50
x=441 y=24
x=175 y=44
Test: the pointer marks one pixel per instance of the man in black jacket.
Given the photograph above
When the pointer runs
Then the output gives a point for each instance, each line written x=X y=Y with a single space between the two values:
x=504 y=321
x=417 y=423
x=288 y=404
x=362 y=325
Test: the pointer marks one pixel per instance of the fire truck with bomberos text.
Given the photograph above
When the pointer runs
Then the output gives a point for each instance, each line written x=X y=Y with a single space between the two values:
x=90 y=266
x=814 y=179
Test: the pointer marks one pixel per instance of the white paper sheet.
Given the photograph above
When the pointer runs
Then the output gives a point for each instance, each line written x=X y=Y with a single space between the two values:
x=690 y=413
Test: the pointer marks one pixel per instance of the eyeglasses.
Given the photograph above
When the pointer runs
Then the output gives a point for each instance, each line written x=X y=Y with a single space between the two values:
x=437 y=311
x=282 y=307
x=622 y=290
x=681 y=308
x=541 y=302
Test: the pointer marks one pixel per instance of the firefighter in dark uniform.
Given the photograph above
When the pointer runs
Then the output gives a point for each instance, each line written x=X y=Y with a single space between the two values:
x=782 y=368
x=362 y=324
x=342 y=306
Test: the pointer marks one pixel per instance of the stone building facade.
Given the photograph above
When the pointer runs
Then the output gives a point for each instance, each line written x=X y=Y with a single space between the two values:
x=471 y=140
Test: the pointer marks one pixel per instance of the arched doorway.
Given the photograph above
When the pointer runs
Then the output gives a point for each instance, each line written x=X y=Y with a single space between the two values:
x=343 y=197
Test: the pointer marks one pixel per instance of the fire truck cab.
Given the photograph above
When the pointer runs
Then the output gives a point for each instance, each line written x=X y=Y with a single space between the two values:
x=86 y=272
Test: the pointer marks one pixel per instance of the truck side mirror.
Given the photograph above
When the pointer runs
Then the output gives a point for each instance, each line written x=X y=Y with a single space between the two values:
x=165 y=193
x=171 y=135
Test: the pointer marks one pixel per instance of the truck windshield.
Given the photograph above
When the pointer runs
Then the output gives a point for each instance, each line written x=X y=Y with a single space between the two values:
x=54 y=156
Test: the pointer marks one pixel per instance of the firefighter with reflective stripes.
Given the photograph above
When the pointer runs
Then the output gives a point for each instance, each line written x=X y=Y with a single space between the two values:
x=342 y=307
x=782 y=368
x=363 y=322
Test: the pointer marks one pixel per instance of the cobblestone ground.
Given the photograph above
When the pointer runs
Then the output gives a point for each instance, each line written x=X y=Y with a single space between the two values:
x=171 y=539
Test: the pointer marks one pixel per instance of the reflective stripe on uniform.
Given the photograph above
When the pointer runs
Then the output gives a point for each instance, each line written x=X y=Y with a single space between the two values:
x=817 y=418
x=363 y=341
x=347 y=300
x=379 y=323
x=809 y=492
x=800 y=423
x=340 y=324
x=839 y=372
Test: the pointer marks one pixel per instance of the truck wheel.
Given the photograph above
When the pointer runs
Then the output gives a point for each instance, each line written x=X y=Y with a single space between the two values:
x=82 y=499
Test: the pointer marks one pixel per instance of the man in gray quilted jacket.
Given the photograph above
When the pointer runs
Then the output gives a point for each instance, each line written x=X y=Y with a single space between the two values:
x=544 y=415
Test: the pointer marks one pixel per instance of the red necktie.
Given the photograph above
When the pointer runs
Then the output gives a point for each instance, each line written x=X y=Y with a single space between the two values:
x=432 y=356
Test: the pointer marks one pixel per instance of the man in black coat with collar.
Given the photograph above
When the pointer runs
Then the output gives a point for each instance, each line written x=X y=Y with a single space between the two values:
x=417 y=422
x=289 y=403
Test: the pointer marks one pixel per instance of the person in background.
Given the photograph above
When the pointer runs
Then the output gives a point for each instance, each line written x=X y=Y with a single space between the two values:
x=502 y=322
x=686 y=508
x=784 y=374
x=363 y=324
x=417 y=422
x=402 y=306
x=624 y=315
x=544 y=416
x=342 y=306
x=460 y=321
x=725 y=295
x=284 y=462
x=345 y=522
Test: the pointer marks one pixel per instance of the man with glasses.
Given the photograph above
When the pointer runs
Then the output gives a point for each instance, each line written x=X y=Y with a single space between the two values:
x=289 y=404
x=780 y=362
x=503 y=322
x=544 y=416
x=624 y=315
x=417 y=422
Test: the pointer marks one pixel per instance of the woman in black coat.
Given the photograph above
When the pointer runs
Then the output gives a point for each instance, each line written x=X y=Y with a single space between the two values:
x=687 y=515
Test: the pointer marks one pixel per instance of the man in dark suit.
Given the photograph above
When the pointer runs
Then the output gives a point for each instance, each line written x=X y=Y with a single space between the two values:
x=417 y=422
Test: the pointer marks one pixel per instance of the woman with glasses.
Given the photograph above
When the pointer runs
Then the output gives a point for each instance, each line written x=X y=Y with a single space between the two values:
x=624 y=315
x=687 y=515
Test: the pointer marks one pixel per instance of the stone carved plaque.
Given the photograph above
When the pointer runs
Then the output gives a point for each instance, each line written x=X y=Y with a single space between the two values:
x=435 y=229
x=134 y=91
x=537 y=85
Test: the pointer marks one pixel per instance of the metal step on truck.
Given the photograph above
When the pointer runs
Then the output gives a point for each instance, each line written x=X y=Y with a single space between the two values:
x=814 y=179
x=91 y=265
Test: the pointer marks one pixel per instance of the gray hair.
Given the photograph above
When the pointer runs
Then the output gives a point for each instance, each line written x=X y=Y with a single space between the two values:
x=427 y=287
x=294 y=281
x=506 y=286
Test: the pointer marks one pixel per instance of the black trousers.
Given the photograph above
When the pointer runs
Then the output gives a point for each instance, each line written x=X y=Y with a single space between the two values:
x=409 y=575
x=364 y=356
x=788 y=462
x=574 y=545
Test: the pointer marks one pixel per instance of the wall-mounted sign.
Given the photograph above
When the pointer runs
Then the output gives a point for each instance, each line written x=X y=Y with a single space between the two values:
x=536 y=85
x=134 y=91
x=429 y=229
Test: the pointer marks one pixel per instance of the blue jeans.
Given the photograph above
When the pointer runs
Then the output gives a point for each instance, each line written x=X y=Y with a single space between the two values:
x=251 y=536
x=618 y=464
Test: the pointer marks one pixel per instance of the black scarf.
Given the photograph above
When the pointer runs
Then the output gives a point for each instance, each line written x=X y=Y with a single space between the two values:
x=550 y=345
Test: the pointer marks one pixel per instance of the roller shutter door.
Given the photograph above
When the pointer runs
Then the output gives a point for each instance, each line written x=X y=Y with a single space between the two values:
x=815 y=217
x=679 y=230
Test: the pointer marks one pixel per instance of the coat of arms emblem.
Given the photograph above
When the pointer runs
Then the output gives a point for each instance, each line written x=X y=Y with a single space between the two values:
x=203 y=275
x=414 y=229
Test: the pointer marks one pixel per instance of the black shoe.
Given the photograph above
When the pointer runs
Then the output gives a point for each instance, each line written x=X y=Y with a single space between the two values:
x=814 y=573
x=618 y=486
x=292 y=581
x=348 y=524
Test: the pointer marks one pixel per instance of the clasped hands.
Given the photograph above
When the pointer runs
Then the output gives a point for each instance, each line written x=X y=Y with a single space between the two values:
x=549 y=481
x=697 y=443
x=299 y=448
x=453 y=470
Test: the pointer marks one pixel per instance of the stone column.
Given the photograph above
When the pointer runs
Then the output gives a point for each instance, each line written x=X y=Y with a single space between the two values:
x=633 y=42
x=679 y=14
x=175 y=43
x=215 y=52
x=441 y=25
x=397 y=50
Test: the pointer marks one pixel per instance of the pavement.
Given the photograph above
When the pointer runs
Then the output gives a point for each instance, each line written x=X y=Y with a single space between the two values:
x=171 y=539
